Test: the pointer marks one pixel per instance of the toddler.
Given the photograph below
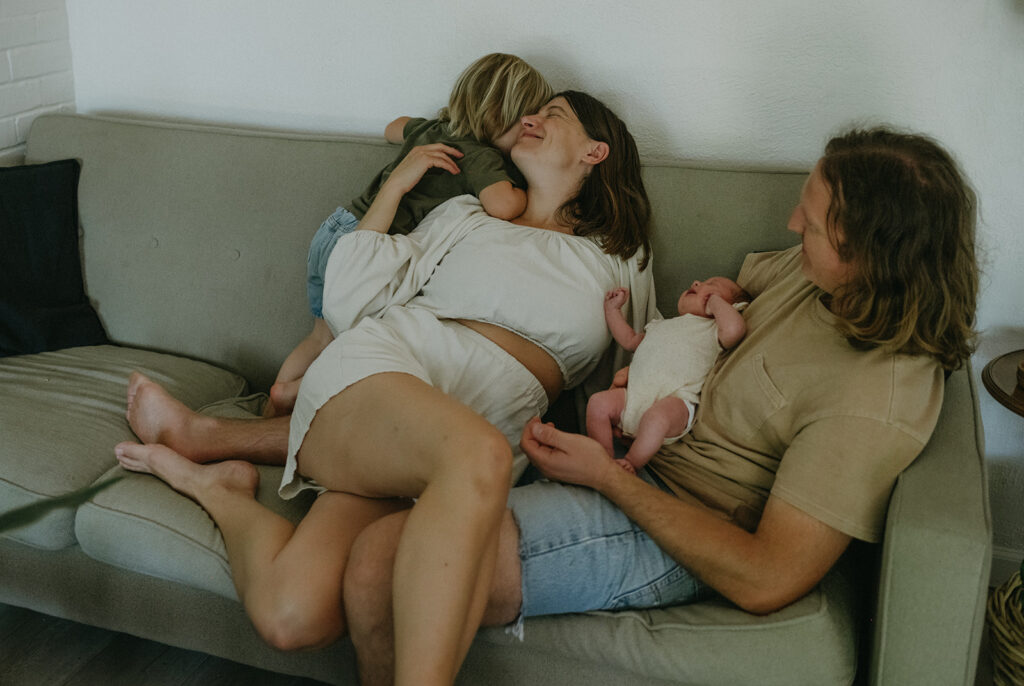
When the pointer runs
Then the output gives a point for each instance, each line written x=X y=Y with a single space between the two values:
x=482 y=120
x=672 y=358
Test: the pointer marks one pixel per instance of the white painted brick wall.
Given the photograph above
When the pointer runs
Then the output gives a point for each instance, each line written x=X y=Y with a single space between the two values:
x=35 y=69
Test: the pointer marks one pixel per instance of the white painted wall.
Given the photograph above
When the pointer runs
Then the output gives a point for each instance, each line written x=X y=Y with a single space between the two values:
x=729 y=82
x=35 y=69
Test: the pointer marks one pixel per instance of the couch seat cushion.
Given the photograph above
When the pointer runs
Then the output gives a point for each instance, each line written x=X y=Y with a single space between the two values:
x=812 y=642
x=141 y=524
x=62 y=413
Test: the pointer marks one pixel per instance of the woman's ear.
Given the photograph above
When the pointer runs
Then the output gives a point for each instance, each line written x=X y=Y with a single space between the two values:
x=596 y=153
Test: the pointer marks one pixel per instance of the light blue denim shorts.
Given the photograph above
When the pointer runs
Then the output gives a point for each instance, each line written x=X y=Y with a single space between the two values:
x=579 y=552
x=334 y=227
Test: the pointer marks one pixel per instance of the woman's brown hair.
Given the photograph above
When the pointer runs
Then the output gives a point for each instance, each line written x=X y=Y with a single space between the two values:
x=612 y=203
x=903 y=215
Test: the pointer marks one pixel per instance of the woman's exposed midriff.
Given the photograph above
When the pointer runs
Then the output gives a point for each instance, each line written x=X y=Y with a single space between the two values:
x=529 y=354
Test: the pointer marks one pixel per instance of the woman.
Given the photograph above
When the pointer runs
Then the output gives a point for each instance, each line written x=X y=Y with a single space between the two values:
x=801 y=431
x=430 y=379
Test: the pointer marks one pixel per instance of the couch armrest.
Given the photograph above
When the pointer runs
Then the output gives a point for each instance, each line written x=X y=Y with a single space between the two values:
x=936 y=554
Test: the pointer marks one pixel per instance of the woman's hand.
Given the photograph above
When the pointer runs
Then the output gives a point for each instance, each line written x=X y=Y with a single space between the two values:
x=403 y=177
x=568 y=457
x=419 y=160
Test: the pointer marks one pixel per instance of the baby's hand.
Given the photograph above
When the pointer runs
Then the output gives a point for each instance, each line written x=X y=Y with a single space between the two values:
x=626 y=466
x=615 y=299
x=708 y=301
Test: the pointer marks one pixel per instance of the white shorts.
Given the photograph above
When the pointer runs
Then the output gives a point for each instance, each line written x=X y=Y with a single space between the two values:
x=443 y=353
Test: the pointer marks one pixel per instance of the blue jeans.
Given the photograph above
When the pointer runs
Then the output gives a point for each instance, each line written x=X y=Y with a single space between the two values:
x=579 y=552
x=333 y=228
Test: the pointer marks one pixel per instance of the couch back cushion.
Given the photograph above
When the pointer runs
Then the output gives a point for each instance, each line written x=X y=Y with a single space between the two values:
x=195 y=237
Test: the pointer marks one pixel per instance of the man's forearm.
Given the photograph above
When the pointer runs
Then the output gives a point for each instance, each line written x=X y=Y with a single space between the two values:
x=718 y=552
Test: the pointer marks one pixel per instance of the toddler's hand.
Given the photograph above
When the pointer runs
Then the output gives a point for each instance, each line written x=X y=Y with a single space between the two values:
x=626 y=466
x=615 y=299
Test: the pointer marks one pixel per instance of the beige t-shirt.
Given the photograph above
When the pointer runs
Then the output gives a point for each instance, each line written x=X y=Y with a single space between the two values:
x=795 y=411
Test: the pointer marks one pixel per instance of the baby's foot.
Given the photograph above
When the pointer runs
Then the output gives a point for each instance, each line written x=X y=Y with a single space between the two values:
x=627 y=466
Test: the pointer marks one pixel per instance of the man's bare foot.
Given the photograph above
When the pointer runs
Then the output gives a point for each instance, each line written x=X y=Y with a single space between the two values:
x=157 y=417
x=185 y=476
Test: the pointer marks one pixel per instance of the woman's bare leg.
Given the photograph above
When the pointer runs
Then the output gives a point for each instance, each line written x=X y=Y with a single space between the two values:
x=369 y=588
x=394 y=434
x=288 y=578
x=157 y=417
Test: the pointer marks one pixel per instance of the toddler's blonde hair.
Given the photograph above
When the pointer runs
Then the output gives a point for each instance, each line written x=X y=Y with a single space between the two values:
x=492 y=94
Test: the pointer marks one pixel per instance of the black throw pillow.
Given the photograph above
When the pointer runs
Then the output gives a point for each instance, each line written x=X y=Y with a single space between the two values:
x=42 y=300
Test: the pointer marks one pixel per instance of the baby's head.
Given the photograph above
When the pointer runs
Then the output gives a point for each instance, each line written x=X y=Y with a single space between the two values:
x=695 y=299
x=491 y=96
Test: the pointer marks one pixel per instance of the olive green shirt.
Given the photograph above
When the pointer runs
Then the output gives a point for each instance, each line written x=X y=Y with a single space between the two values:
x=480 y=166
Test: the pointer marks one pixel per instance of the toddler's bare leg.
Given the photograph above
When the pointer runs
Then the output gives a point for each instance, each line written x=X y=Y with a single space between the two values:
x=286 y=385
x=604 y=410
x=666 y=417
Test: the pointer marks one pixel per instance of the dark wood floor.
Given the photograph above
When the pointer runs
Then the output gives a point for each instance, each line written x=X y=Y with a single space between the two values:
x=38 y=650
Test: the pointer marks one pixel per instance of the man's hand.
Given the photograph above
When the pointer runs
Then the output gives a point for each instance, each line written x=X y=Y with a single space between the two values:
x=568 y=457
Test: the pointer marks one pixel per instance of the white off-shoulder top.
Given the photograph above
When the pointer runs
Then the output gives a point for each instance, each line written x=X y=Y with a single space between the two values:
x=461 y=263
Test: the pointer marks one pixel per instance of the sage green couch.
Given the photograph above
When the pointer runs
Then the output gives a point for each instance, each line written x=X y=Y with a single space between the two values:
x=194 y=242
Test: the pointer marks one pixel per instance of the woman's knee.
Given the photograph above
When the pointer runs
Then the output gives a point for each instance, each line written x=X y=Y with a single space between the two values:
x=292 y=620
x=484 y=462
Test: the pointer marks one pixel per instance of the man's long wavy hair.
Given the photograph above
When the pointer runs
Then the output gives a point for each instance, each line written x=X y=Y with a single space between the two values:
x=612 y=203
x=903 y=215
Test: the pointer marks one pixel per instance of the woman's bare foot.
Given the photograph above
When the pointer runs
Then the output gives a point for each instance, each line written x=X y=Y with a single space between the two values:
x=185 y=476
x=157 y=417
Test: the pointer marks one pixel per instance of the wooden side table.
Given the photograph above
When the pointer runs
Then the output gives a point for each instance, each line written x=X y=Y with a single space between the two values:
x=1004 y=379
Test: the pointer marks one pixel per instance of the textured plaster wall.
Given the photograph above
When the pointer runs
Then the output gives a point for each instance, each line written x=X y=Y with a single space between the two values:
x=730 y=83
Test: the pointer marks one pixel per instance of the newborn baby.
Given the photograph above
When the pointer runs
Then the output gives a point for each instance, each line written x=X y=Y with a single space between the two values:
x=672 y=358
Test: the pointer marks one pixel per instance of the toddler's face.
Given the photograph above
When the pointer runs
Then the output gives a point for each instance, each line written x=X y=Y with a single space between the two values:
x=505 y=141
x=695 y=299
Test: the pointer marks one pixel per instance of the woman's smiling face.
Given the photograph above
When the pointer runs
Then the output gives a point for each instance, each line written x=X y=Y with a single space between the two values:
x=554 y=135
